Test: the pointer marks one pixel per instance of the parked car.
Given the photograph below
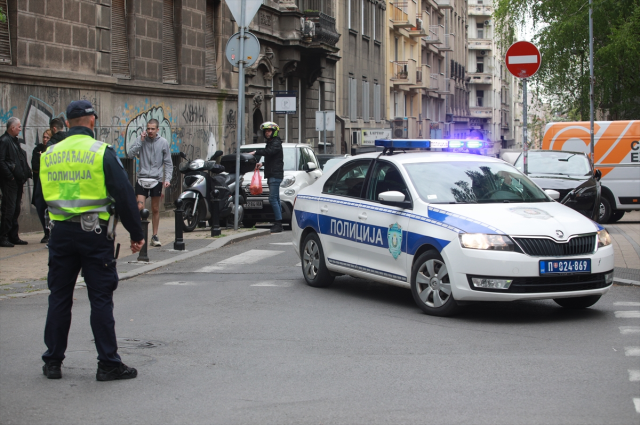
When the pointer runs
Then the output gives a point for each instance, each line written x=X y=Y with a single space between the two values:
x=301 y=168
x=324 y=158
x=568 y=173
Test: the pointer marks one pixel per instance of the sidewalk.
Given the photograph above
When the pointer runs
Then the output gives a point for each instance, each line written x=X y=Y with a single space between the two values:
x=23 y=268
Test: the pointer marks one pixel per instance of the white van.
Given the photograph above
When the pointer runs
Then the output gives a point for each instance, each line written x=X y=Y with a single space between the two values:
x=617 y=156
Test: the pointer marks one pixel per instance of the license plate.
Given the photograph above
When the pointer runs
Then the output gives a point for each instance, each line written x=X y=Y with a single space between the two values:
x=582 y=265
x=254 y=205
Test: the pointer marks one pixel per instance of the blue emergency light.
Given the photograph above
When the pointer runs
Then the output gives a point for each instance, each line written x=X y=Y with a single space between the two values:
x=429 y=143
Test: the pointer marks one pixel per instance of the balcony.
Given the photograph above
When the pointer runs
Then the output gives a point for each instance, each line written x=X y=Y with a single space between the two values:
x=420 y=30
x=400 y=12
x=437 y=83
x=435 y=34
x=324 y=29
x=403 y=72
x=479 y=44
x=481 y=112
x=479 y=10
x=445 y=4
x=480 y=78
x=423 y=78
x=446 y=87
x=447 y=45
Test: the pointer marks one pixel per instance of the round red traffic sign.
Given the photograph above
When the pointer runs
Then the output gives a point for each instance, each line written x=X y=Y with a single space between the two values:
x=523 y=59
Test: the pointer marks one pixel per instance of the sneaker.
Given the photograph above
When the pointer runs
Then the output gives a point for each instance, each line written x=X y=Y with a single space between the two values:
x=277 y=227
x=45 y=239
x=19 y=242
x=52 y=370
x=114 y=373
x=155 y=241
x=5 y=243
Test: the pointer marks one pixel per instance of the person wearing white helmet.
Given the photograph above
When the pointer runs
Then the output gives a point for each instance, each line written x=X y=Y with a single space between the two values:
x=273 y=169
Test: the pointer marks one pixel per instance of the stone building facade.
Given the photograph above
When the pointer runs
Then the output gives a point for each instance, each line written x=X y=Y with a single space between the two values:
x=163 y=59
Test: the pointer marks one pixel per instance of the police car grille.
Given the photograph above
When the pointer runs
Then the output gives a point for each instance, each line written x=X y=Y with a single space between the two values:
x=546 y=247
x=566 y=283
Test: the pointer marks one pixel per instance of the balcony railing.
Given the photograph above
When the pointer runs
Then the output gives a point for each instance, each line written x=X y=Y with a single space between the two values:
x=479 y=10
x=418 y=76
x=315 y=5
x=437 y=82
x=325 y=28
x=446 y=86
x=445 y=4
x=399 y=12
x=479 y=44
x=435 y=34
x=403 y=72
x=447 y=42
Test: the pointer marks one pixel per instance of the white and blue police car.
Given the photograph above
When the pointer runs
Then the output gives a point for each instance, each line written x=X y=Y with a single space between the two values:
x=452 y=227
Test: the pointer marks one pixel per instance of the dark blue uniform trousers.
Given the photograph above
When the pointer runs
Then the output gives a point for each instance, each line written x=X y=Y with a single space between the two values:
x=71 y=248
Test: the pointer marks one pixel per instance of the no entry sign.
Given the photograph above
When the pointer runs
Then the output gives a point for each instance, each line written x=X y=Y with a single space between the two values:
x=523 y=59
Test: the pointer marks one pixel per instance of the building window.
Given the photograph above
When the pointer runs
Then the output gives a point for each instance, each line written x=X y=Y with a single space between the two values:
x=353 y=99
x=366 y=17
x=169 y=54
x=353 y=14
x=377 y=105
x=119 y=43
x=480 y=29
x=480 y=97
x=5 y=41
x=480 y=64
x=365 y=101
x=210 y=72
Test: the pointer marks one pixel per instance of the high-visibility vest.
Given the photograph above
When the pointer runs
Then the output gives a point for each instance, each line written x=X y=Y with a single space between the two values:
x=72 y=176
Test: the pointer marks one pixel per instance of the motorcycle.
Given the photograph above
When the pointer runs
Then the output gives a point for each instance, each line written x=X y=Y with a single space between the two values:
x=205 y=181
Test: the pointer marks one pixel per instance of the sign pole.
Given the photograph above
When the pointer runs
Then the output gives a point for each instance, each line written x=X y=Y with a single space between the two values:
x=593 y=160
x=525 y=148
x=240 y=112
x=324 y=132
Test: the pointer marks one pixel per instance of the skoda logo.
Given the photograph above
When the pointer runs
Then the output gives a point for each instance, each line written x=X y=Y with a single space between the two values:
x=560 y=234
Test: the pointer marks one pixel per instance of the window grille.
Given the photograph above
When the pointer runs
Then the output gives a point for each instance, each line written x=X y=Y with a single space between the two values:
x=119 y=42
x=210 y=72
x=5 y=40
x=169 y=54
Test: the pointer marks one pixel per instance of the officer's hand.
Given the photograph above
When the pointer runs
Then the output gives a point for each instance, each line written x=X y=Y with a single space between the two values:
x=136 y=246
x=167 y=184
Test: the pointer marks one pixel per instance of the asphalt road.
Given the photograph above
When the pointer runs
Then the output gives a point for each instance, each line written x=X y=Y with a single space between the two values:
x=246 y=341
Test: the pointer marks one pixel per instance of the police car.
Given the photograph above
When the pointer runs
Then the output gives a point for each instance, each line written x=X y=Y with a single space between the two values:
x=451 y=227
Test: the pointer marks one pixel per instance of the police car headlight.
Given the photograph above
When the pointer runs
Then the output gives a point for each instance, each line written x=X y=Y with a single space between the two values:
x=489 y=242
x=288 y=181
x=604 y=238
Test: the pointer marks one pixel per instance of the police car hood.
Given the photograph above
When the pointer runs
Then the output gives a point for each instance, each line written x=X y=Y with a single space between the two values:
x=532 y=219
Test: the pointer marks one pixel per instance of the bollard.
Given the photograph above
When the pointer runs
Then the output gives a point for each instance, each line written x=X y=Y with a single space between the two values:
x=178 y=244
x=144 y=215
x=215 y=217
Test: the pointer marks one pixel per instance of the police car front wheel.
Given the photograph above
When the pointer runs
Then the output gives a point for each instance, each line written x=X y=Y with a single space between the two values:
x=314 y=268
x=430 y=285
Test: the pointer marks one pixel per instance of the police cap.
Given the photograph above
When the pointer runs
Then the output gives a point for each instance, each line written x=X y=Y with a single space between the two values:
x=80 y=108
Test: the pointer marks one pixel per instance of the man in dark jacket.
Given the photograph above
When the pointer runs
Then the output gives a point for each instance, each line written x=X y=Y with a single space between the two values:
x=57 y=130
x=14 y=172
x=273 y=169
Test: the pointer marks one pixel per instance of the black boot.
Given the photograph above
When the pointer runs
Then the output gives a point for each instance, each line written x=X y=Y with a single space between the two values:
x=277 y=227
x=4 y=242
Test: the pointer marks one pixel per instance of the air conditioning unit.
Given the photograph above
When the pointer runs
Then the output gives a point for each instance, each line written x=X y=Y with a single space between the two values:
x=418 y=23
x=483 y=53
x=356 y=138
x=488 y=22
x=400 y=127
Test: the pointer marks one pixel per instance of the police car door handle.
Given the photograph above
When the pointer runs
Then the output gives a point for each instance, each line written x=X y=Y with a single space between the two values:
x=324 y=209
x=362 y=216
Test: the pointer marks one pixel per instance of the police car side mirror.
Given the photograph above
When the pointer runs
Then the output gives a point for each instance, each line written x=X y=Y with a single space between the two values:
x=309 y=166
x=597 y=175
x=553 y=194
x=394 y=199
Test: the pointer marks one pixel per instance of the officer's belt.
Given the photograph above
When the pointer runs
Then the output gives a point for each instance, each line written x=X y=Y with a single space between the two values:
x=78 y=219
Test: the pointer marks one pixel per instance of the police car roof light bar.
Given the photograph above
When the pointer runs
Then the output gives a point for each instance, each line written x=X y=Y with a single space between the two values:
x=391 y=144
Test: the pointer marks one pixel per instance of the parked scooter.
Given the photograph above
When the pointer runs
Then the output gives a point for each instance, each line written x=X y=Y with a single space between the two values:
x=205 y=181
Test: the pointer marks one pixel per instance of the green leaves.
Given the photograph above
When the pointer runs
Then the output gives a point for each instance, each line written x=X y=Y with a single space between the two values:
x=561 y=32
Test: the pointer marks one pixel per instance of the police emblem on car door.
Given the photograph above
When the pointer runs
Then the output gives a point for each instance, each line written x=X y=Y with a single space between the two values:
x=394 y=237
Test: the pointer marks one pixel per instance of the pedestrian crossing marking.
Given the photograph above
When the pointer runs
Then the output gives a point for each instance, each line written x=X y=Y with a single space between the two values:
x=250 y=257
x=634 y=375
x=631 y=314
x=180 y=283
x=273 y=283
x=626 y=330
x=636 y=402
x=632 y=351
x=627 y=303
x=291 y=243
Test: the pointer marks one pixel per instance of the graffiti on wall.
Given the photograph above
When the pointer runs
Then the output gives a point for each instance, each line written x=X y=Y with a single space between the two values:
x=139 y=124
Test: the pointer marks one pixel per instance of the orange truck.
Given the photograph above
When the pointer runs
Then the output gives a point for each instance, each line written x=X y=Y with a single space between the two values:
x=617 y=156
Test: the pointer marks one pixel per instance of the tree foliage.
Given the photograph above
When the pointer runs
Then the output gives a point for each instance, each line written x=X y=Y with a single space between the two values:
x=561 y=29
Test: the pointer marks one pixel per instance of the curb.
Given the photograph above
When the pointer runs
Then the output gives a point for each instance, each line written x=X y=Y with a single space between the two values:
x=145 y=269
x=625 y=282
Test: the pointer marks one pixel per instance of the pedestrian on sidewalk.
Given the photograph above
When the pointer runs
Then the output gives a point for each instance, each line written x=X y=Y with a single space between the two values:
x=79 y=191
x=58 y=134
x=273 y=169
x=37 y=200
x=14 y=173
x=154 y=153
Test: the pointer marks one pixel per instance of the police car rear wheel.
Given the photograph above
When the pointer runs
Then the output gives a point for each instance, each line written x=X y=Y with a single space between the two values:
x=431 y=287
x=577 y=302
x=314 y=268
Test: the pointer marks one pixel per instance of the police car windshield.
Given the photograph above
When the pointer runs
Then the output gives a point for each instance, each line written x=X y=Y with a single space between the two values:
x=289 y=156
x=558 y=163
x=472 y=182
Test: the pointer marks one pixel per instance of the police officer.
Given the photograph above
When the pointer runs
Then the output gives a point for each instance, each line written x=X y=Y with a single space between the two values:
x=81 y=178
